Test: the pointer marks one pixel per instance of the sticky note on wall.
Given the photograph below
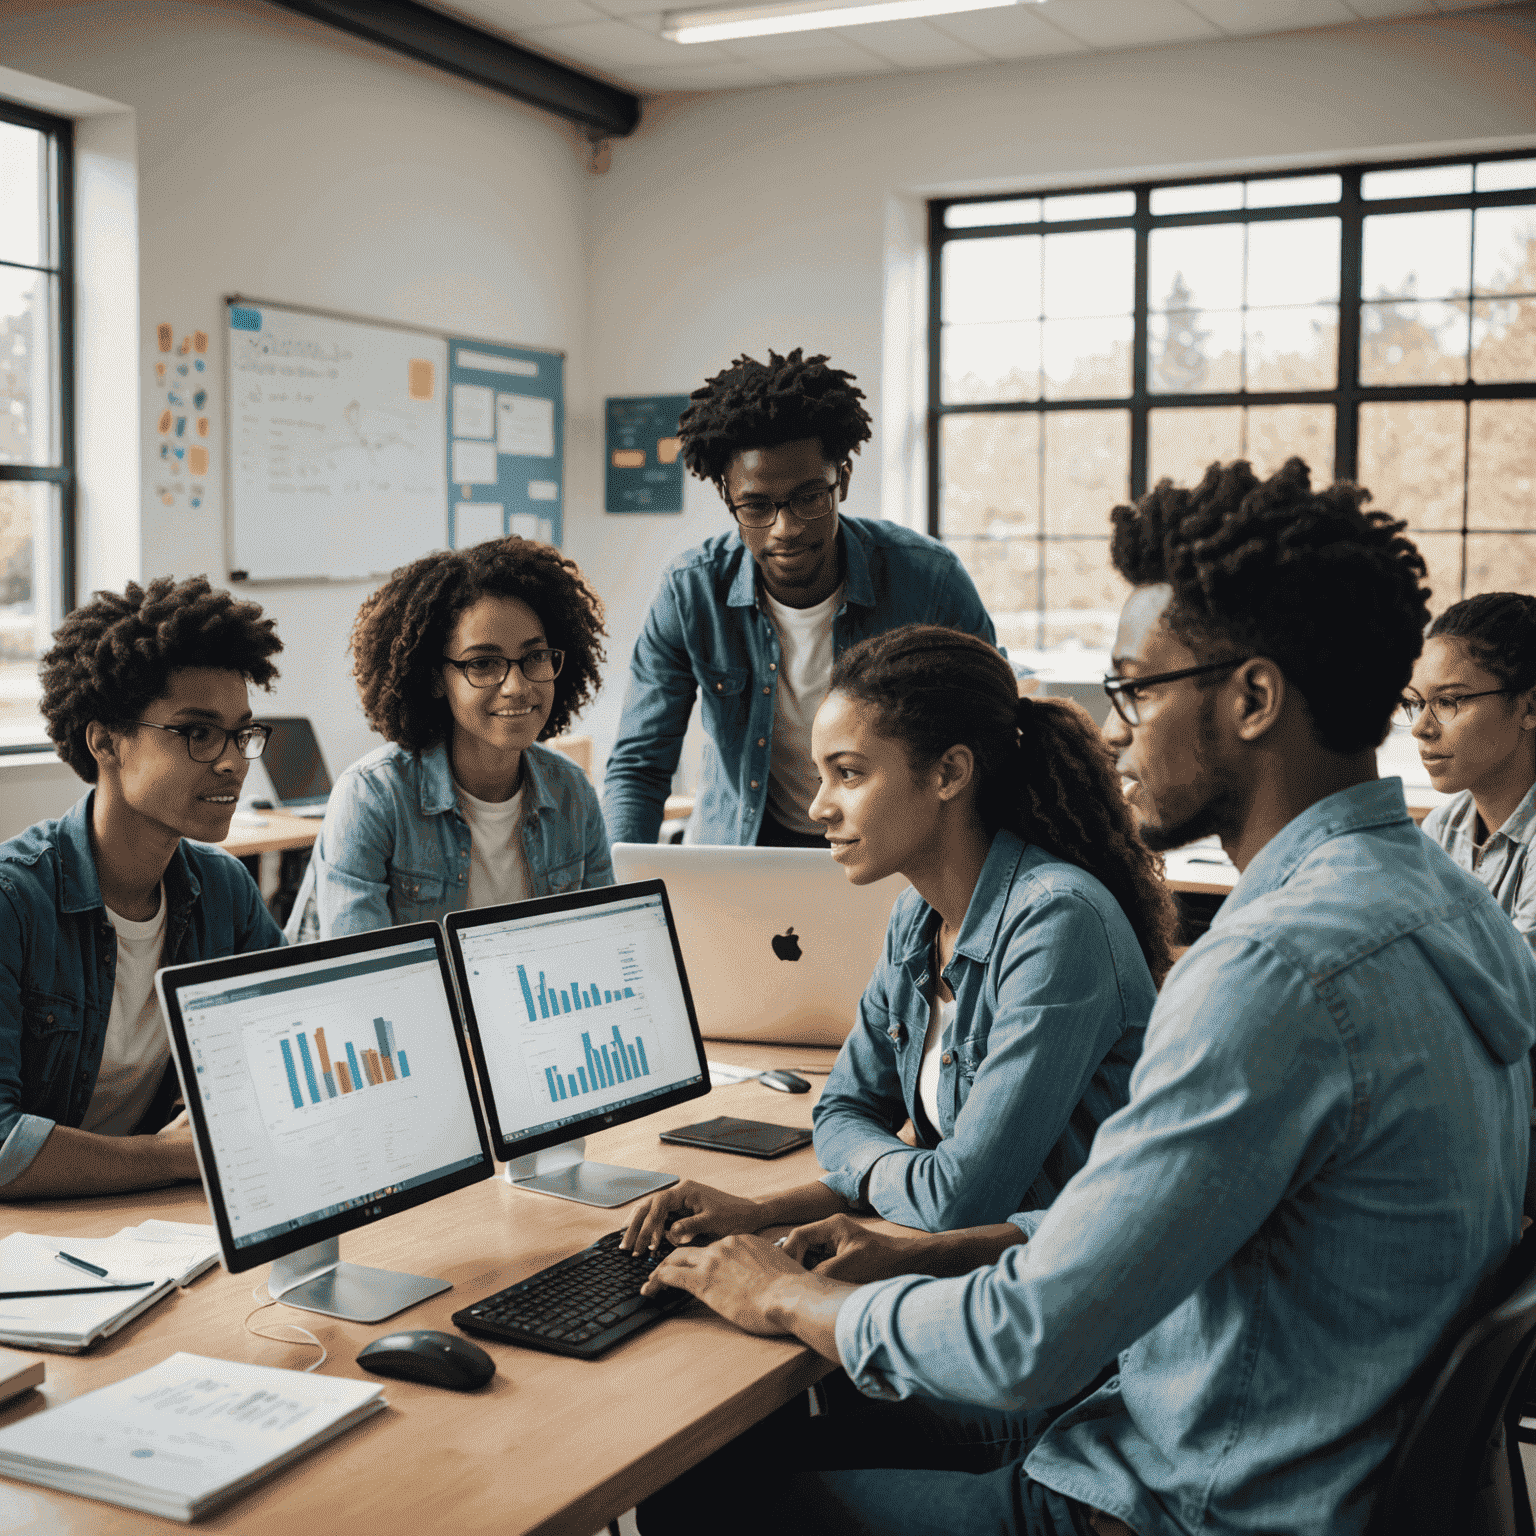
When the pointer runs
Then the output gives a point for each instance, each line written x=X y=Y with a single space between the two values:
x=197 y=460
x=422 y=378
x=165 y=336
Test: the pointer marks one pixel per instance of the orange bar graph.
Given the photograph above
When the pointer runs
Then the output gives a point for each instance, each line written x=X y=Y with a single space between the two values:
x=325 y=1060
x=389 y=1069
x=375 y=1076
x=343 y=1077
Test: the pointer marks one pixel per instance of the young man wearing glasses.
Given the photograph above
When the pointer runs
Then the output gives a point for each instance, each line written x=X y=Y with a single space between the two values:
x=145 y=697
x=753 y=619
x=1324 y=1151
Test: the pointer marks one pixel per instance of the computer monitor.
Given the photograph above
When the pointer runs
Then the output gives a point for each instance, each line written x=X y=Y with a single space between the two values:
x=328 y=1087
x=580 y=1018
x=295 y=766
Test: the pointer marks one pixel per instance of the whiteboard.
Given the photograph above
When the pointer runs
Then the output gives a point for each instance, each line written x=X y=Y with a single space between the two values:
x=337 y=445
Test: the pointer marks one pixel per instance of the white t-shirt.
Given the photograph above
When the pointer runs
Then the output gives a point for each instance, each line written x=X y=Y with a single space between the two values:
x=136 y=1052
x=805 y=671
x=940 y=1016
x=496 y=869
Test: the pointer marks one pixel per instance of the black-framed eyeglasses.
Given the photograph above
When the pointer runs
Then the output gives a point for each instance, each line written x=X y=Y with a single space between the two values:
x=541 y=666
x=1443 y=708
x=206 y=743
x=804 y=506
x=1123 y=691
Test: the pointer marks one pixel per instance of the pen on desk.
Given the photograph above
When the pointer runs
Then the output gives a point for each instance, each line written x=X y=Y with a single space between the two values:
x=77 y=1290
x=85 y=1264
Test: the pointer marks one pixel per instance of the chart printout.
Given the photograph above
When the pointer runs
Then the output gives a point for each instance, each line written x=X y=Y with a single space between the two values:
x=578 y=1012
x=328 y=1085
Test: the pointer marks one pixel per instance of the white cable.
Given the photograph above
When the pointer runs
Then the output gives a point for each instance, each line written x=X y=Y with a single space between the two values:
x=308 y=1338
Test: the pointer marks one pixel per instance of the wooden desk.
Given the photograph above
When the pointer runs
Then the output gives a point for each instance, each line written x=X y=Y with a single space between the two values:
x=280 y=833
x=551 y=1446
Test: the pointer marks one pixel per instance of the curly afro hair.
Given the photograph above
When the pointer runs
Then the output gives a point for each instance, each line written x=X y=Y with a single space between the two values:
x=1499 y=629
x=757 y=405
x=1329 y=592
x=115 y=654
x=402 y=630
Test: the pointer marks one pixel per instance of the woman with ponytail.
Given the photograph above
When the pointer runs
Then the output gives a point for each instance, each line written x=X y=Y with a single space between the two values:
x=1007 y=1010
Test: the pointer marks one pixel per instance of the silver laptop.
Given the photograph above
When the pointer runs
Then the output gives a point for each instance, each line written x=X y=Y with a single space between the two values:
x=778 y=945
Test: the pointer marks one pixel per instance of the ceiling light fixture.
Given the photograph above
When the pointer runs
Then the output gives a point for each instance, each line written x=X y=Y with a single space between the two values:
x=716 y=26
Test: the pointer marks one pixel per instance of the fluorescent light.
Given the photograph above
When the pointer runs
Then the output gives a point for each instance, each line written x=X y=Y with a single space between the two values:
x=806 y=16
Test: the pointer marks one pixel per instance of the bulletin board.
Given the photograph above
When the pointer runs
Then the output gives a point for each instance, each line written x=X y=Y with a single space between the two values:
x=644 y=470
x=357 y=445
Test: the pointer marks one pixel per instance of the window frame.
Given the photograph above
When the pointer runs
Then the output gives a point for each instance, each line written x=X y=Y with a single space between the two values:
x=1346 y=398
x=60 y=133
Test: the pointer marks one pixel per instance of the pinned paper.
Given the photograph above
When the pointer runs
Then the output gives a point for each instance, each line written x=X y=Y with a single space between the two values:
x=202 y=426
x=423 y=378
x=160 y=372
x=476 y=521
x=474 y=410
x=667 y=449
x=543 y=490
x=165 y=421
x=199 y=341
x=197 y=460
x=629 y=458
x=474 y=463
x=166 y=337
x=525 y=424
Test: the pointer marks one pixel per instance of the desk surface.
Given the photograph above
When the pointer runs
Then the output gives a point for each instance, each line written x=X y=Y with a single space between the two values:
x=552 y=1445
x=278 y=832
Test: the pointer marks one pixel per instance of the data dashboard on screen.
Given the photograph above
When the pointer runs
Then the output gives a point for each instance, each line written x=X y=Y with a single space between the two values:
x=328 y=1086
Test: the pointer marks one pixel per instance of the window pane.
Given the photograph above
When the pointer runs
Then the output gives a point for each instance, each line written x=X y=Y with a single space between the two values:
x=1210 y=198
x=990 y=362
x=990 y=475
x=1504 y=259
x=992 y=279
x=1083 y=594
x=1411 y=456
x=1275 y=433
x=1087 y=359
x=1018 y=210
x=1293 y=261
x=27 y=395
x=1417 y=255
x=1092 y=273
x=1087 y=469
x=29 y=584
x=1407 y=343
x=1505 y=175
x=1442 y=554
x=1182 y=444
x=1501 y=469
x=1006 y=573
x=1090 y=205
x=1504 y=340
x=1424 y=181
x=1189 y=351
x=1292 y=348
x=1286 y=191
x=1200 y=265
x=1500 y=562
x=24 y=189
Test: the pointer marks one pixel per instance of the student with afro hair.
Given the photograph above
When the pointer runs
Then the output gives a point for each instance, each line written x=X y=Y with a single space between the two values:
x=753 y=619
x=145 y=697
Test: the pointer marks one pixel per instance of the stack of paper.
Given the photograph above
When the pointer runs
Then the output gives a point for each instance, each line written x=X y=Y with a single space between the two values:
x=184 y=1436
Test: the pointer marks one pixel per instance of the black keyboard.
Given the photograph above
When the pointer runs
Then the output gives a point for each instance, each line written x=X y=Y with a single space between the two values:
x=580 y=1306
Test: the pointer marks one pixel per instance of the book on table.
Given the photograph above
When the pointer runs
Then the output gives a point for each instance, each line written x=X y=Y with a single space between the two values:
x=185 y=1436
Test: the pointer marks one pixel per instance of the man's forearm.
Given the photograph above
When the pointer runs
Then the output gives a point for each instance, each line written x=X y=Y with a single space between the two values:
x=807 y=1306
x=799 y=1206
x=75 y=1162
x=944 y=1254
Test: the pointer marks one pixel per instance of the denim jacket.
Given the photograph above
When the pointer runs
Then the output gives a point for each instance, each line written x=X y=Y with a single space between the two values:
x=395 y=845
x=708 y=632
x=1323 y=1155
x=58 y=964
x=1052 y=995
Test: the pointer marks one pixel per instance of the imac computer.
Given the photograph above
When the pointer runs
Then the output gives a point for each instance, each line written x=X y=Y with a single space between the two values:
x=580 y=1018
x=328 y=1087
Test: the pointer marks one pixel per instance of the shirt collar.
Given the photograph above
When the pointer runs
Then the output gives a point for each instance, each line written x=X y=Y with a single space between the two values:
x=81 y=885
x=1378 y=803
x=1521 y=825
x=857 y=586
x=984 y=914
x=439 y=793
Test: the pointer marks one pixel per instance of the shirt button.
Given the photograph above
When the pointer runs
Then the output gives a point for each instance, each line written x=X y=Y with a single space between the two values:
x=719 y=687
x=754 y=783
x=946 y=1058
x=773 y=666
x=767 y=690
x=50 y=1018
x=762 y=741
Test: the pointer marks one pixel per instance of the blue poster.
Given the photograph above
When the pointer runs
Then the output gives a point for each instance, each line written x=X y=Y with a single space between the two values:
x=644 y=465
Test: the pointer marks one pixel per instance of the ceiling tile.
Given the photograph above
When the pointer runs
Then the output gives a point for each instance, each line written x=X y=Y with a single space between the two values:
x=1272 y=15
x=912 y=45
x=807 y=56
x=514 y=16
x=617 y=46
x=1126 y=23
x=1013 y=32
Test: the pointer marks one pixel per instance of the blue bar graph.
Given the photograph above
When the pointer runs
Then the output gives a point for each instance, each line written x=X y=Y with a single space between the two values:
x=358 y=1079
x=551 y=1003
x=293 y=1077
x=522 y=976
x=405 y=1070
x=309 y=1071
x=608 y=1065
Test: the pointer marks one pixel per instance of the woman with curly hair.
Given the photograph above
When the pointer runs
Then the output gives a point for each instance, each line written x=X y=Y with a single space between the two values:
x=145 y=697
x=1019 y=971
x=464 y=659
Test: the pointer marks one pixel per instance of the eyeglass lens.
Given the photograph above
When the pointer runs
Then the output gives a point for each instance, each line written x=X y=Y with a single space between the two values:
x=538 y=667
x=806 y=507
x=206 y=743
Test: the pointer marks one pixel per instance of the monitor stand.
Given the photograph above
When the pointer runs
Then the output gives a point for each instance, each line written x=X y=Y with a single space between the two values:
x=563 y=1171
x=316 y=1279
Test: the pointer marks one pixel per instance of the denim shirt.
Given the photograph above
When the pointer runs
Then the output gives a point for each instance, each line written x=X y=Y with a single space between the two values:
x=58 y=964
x=394 y=847
x=1323 y=1155
x=1052 y=995
x=708 y=632
x=1506 y=864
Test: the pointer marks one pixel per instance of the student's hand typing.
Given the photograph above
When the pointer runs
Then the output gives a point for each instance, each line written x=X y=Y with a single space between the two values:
x=686 y=1211
x=181 y=1126
x=844 y=1249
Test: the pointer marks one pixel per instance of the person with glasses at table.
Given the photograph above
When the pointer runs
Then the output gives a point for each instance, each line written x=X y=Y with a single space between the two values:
x=1472 y=706
x=464 y=659
x=753 y=618
x=145 y=697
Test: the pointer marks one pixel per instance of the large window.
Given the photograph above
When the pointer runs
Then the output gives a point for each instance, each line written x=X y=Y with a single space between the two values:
x=1380 y=321
x=37 y=482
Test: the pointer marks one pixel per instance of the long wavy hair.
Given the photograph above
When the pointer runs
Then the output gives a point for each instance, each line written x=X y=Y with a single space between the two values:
x=1045 y=772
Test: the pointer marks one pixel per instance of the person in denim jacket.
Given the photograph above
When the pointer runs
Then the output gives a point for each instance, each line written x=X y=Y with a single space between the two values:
x=465 y=659
x=1007 y=1011
x=752 y=620
x=145 y=697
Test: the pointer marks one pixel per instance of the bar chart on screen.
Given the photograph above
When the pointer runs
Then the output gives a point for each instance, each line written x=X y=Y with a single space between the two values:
x=350 y=1072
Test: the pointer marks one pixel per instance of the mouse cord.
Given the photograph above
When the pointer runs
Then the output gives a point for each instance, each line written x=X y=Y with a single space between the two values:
x=308 y=1338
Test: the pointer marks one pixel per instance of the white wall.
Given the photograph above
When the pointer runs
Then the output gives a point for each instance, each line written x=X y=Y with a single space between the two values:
x=792 y=215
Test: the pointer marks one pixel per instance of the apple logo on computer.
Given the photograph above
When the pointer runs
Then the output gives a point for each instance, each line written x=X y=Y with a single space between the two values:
x=786 y=945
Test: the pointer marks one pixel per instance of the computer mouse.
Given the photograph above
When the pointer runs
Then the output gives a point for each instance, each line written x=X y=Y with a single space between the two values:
x=425 y=1354
x=785 y=1082
x=261 y=805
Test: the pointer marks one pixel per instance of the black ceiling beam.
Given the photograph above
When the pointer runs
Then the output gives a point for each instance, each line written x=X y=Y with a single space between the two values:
x=450 y=44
